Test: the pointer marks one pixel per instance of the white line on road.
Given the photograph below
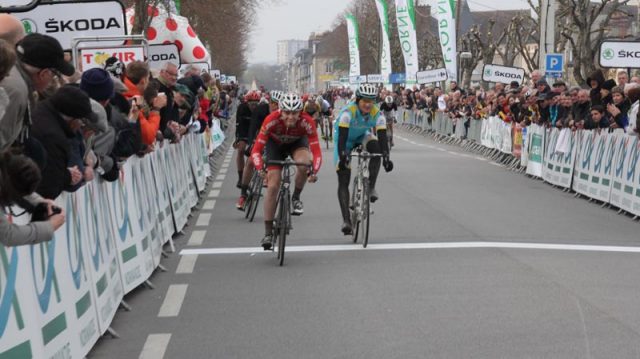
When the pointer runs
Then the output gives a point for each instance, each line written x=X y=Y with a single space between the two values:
x=203 y=220
x=197 y=237
x=209 y=204
x=220 y=177
x=223 y=171
x=173 y=300
x=186 y=264
x=155 y=346
x=214 y=193
x=217 y=184
x=396 y=246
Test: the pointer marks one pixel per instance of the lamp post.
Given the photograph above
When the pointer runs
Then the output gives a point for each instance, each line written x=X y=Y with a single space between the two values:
x=461 y=56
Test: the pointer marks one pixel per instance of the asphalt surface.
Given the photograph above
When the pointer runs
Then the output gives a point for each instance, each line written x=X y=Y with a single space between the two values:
x=389 y=302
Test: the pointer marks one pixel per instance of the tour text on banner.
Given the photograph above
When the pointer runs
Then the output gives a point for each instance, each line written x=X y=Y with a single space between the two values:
x=445 y=14
x=354 y=50
x=406 y=19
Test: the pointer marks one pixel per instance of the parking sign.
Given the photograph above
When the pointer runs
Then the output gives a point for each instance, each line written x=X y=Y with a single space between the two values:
x=554 y=63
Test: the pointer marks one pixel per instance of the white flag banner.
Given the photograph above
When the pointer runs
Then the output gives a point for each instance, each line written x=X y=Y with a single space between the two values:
x=447 y=29
x=406 y=19
x=354 y=50
x=385 y=54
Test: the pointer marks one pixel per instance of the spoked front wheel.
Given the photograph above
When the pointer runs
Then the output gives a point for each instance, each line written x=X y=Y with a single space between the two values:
x=256 y=194
x=283 y=227
x=355 y=208
x=365 y=213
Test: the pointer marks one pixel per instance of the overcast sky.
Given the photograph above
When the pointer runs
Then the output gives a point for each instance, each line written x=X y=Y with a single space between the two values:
x=296 y=19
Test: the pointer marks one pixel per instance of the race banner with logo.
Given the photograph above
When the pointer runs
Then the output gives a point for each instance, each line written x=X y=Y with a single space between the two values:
x=536 y=141
x=524 y=158
x=161 y=54
x=445 y=10
x=92 y=58
x=385 y=54
x=354 y=49
x=162 y=193
x=594 y=164
x=67 y=20
x=502 y=74
x=431 y=76
x=406 y=21
x=620 y=54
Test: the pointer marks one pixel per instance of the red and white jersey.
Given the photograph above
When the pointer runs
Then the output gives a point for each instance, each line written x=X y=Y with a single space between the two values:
x=275 y=129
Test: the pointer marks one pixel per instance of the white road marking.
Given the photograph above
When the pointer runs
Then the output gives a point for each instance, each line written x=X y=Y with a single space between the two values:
x=209 y=204
x=220 y=177
x=397 y=246
x=155 y=346
x=203 y=220
x=217 y=184
x=197 y=237
x=173 y=300
x=223 y=171
x=214 y=193
x=186 y=264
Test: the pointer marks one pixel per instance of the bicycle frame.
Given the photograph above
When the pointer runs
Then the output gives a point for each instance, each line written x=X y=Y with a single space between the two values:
x=360 y=200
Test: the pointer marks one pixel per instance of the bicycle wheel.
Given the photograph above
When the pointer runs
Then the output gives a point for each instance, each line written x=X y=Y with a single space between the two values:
x=365 y=213
x=283 y=219
x=327 y=130
x=257 y=193
x=249 y=201
x=355 y=208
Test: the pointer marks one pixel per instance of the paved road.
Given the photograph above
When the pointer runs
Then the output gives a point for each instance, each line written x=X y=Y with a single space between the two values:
x=459 y=266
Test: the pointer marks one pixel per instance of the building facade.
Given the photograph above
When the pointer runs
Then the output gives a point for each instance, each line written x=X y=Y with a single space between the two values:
x=287 y=49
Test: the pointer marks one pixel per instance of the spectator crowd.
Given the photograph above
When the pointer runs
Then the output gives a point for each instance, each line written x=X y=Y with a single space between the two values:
x=61 y=128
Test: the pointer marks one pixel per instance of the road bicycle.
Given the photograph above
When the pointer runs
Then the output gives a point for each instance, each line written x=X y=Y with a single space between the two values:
x=327 y=133
x=282 y=223
x=360 y=196
x=254 y=192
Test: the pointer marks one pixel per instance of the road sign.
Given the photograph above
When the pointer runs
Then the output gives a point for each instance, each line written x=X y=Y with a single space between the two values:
x=502 y=74
x=554 y=63
x=376 y=79
x=430 y=76
x=620 y=54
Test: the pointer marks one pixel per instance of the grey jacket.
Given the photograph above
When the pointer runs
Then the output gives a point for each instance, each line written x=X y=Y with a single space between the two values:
x=12 y=235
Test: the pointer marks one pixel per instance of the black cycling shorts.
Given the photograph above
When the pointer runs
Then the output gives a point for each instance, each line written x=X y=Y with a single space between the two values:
x=279 y=152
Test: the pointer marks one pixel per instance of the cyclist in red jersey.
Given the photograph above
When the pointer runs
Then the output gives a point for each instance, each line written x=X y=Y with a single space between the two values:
x=285 y=132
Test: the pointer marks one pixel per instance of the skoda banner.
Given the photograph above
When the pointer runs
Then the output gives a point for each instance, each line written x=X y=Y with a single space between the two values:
x=92 y=58
x=445 y=14
x=620 y=54
x=162 y=54
x=431 y=76
x=67 y=20
x=502 y=74
x=406 y=20
x=354 y=51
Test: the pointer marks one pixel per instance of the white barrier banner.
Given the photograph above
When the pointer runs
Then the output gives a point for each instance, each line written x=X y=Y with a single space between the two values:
x=162 y=192
x=177 y=189
x=524 y=157
x=559 y=158
x=103 y=262
x=20 y=329
x=150 y=209
x=535 y=149
x=625 y=193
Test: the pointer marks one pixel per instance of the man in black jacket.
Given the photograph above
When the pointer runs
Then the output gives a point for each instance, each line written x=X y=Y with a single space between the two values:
x=166 y=82
x=56 y=121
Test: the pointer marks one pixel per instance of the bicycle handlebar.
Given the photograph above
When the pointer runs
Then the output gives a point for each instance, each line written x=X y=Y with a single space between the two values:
x=365 y=154
x=287 y=163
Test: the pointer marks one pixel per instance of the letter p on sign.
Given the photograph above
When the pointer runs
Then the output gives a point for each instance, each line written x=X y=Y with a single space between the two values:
x=554 y=63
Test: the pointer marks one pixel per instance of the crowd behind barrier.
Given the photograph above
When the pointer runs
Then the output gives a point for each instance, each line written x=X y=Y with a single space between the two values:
x=600 y=164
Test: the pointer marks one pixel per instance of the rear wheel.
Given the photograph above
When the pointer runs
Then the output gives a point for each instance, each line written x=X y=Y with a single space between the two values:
x=283 y=226
x=256 y=193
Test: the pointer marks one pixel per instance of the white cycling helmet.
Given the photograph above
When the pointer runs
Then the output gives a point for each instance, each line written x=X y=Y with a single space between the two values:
x=367 y=91
x=275 y=96
x=388 y=100
x=290 y=102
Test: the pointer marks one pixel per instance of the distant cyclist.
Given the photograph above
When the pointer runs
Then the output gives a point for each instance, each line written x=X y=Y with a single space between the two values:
x=354 y=127
x=258 y=116
x=286 y=132
x=389 y=109
x=243 y=122
x=324 y=108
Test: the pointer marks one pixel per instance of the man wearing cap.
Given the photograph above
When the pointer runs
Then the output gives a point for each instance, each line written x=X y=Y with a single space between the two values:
x=56 y=121
x=40 y=60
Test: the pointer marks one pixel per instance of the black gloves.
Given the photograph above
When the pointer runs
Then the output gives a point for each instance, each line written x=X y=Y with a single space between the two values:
x=387 y=164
